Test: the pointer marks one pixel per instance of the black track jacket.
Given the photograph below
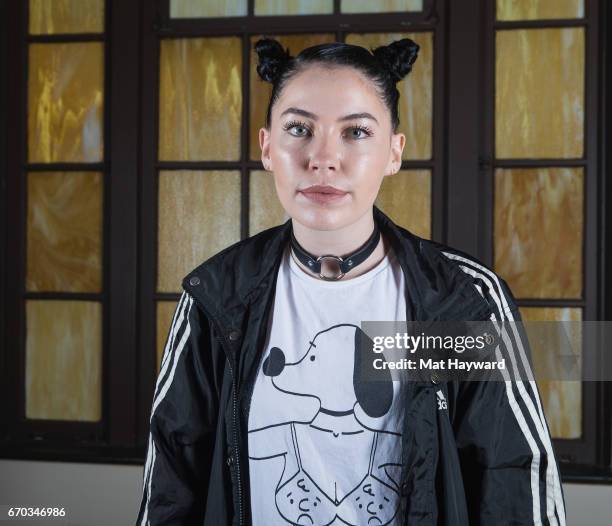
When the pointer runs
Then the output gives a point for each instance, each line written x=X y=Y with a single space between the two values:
x=487 y=460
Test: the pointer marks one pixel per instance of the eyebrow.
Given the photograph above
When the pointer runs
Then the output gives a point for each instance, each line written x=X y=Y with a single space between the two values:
x=362 y=115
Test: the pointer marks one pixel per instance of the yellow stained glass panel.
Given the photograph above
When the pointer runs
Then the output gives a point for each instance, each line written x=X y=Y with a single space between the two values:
x=538 y=229
x=198 y=216
x=539 y=95
x=63 y=371
x=562 y=399
x=65 y=102
x=539 y=9
x=66 y=16
x=406 y=198
x=382 y=6
x=64 y=231
x=260 y=90
x=293 y=7
x=207 y=8
x=416 y=89
x=200 y=99
x=265 y=209
x=165 y=312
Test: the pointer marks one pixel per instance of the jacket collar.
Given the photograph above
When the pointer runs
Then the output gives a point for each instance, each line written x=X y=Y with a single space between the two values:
x=436 y=289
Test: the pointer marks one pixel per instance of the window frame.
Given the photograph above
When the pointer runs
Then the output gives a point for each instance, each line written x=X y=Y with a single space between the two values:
x=112 y=439
x=471 y=161
x=461 y=168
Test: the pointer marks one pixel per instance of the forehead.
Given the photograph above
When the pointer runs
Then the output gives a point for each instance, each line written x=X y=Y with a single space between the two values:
x=330 y=91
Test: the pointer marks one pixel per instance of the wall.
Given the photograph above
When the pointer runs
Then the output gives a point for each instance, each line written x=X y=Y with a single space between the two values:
x=103 y=494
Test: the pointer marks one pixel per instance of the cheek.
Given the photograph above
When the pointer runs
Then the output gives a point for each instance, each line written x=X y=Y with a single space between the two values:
x=286 y=148
x=371 y=153
x=286 y=157
x=284 y=182
x=368 y=167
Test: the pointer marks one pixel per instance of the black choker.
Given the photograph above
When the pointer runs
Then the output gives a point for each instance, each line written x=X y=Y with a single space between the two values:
x=345 y=263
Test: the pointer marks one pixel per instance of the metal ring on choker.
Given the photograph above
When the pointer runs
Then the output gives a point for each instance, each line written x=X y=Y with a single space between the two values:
x=345 y=263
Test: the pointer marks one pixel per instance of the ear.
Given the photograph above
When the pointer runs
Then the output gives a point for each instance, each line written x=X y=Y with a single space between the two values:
x=375 y=396
x=264 y=144
x=275 y=362
x=398 y=141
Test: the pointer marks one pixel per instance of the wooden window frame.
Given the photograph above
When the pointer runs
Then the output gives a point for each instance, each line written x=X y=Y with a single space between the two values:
x=461 y=168
x=113 y=438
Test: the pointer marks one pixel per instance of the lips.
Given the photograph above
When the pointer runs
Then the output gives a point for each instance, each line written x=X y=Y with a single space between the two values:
x=323 y=194
x=323 y=189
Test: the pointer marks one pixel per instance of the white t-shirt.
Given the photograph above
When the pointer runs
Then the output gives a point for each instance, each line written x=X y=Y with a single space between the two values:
x=322 y=449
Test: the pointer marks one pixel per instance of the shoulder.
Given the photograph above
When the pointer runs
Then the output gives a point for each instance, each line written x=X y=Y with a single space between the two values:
x=242 y=255
x=225 y=281
x=487 y=282
x=250 y=246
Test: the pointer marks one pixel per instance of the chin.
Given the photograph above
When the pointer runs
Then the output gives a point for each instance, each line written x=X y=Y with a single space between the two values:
x=320 y=218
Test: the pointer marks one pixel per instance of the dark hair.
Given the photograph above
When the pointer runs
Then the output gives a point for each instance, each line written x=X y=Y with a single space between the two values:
x=384 y=66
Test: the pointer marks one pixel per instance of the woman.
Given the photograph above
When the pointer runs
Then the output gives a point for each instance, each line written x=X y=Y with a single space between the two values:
x=259 y=415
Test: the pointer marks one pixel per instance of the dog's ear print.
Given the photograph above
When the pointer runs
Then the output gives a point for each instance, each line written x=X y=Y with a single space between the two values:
x=374 y=397
x=274 y=363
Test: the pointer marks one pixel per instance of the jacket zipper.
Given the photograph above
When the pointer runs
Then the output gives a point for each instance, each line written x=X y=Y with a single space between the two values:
x=236 y=445
x=236 y=452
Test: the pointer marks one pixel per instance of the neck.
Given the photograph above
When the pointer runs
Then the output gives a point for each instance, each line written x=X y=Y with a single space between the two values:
x=340 y=242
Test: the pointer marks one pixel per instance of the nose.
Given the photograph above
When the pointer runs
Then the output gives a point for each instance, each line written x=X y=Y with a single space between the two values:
x=275 y=362
x=325 y=155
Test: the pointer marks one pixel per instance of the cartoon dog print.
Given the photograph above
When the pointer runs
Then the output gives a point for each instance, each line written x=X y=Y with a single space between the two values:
x=341 y=465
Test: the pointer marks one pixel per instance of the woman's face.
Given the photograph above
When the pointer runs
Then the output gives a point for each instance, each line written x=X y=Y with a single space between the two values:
x=329 y=127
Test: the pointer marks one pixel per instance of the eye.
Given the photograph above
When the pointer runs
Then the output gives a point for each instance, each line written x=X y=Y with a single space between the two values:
x=312 y=358
x=358 y=132
x=363 y=129
x=295 y=124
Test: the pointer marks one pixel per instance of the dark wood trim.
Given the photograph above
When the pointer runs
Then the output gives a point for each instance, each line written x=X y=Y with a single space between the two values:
x=438 y=14
x=67 y=37
x=605 y=263
x=464 y=63
x=147 y=205
x=14 y=184
x=586 y=474
x=555 y=22
x=5 y=395
x=123 y=269
x=539 y=163
x=67 y=167
x=186 y=28
x=550 y=302
x=301 y=25
x=245 y=125
x=166 y=296
x=22 y=229
x=487 y=161
x=85 y=296
x=58 y=451
x=594 y=451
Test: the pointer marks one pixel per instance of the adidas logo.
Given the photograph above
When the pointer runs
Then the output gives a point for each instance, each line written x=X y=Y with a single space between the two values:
x=441 y=400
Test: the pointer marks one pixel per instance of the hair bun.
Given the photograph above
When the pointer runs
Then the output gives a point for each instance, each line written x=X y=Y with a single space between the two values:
x=272 y=58
x=398 y=57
